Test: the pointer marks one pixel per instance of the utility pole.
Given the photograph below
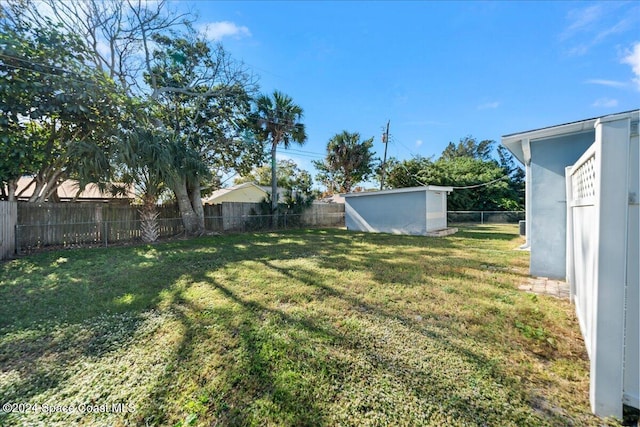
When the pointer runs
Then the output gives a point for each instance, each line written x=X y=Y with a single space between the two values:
x=385 y=141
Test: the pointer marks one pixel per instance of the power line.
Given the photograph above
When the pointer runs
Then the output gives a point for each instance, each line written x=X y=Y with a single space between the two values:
x=65 y=77
x=455 y=188
x=35 y=64
x=405 y=147
x=480 y=185
x=295 y=150
x=412 y=175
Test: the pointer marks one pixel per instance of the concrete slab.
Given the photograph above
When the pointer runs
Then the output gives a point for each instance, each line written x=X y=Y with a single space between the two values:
x=546 y=286
x=442 y=233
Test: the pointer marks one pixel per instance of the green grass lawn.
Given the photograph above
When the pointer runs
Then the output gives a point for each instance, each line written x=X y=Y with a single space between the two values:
x=307 y=327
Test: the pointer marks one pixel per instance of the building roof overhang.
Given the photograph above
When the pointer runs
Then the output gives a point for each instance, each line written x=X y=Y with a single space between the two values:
x=517 y=143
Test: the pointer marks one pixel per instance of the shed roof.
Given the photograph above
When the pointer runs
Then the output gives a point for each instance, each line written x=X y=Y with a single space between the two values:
x=399 y=190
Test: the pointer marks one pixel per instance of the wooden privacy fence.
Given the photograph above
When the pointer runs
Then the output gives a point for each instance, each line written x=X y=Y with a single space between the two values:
x=8 y=218
x=74 y=224
x=68 y=224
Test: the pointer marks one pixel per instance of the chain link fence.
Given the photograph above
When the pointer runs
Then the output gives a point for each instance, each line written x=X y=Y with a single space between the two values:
x=485 y=217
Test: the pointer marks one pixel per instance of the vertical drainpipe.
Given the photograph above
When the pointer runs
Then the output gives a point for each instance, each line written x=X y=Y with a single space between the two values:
x=526 y=149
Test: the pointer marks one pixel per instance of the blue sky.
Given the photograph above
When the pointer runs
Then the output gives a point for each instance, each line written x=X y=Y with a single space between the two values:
x=439 y=71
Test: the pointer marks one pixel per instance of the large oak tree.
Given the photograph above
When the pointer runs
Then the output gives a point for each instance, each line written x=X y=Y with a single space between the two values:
x=56 y=112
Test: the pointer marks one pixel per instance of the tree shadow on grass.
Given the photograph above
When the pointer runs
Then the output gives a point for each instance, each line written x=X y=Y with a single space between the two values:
x=484 y=232
x=259 y=382
x=461 y=407
x=280 y=352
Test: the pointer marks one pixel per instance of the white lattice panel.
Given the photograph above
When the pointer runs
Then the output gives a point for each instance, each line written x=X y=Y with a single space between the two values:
x=584 y=180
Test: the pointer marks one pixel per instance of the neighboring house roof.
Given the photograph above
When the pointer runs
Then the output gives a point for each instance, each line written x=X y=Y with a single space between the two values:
x=247 y=192
x=336 y=198
x=513 y=141
x=68 y=189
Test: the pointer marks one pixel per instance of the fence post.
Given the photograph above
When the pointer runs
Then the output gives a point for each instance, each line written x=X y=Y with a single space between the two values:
x=16 y=250
x=106 y=234
x=610 y=271
x=481 y=217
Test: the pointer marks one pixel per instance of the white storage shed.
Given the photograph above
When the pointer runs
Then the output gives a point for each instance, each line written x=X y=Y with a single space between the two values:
x=414 y=210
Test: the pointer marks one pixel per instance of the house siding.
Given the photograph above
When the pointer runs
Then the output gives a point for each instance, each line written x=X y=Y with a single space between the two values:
x=550 y=157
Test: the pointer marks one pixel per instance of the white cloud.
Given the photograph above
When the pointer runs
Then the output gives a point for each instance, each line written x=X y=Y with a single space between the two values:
x=579 y=50
x=633 y=59
x=103 y=48
x=489 y=105
x=605 y=103
x=216 y=31
x=43 y=9
x=579 y=19
x=593 y=25
x=419 y=143
x=619 y=27
x=604 y=82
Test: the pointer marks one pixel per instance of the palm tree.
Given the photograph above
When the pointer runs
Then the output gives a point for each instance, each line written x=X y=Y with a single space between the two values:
x=348 y=161
x=144 y=163
x=278 y=121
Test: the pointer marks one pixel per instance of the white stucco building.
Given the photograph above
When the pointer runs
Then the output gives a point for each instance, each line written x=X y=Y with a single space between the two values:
x=413 y=210
x=582 y=187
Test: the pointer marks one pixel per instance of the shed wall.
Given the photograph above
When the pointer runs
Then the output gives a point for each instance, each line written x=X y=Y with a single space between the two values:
x=550 y=157
x=436 y=210
x=399 y=213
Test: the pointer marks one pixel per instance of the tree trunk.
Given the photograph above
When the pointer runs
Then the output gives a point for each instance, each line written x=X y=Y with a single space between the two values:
x=12 y=186
x=188 y=215
x=195 y=193
x=149 y=227
x=274 y=180
x=36 y=191
x=274 y=186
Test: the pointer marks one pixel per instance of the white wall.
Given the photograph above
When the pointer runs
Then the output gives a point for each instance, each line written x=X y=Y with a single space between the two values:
x=631 y=387
x=397 y=213
x=602 y=250
x=546 y=219
x=436 y=210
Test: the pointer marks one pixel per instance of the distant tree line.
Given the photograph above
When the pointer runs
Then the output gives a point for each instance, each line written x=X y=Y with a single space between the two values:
x=481 y=181
x=128 y=92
